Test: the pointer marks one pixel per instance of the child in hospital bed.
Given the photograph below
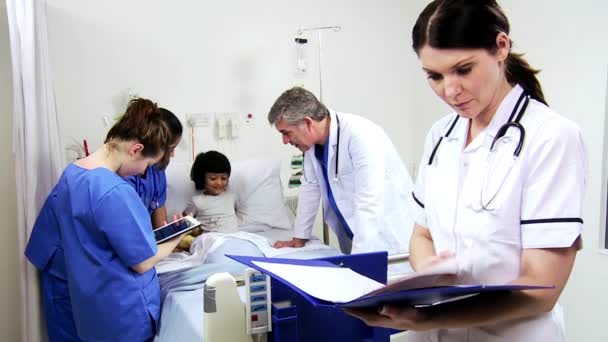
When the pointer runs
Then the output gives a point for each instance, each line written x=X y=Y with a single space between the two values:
x=214 y=203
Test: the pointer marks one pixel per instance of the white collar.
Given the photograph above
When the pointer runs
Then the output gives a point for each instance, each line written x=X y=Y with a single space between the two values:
x=504 y=110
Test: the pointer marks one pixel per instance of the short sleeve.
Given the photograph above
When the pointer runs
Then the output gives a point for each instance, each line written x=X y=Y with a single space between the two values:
x=233 y=199
x=45 y=237
x=191 y=208
x=552 y=196
x=417 y=197
x=417 y=201
x=125 y=222
x=161 y=189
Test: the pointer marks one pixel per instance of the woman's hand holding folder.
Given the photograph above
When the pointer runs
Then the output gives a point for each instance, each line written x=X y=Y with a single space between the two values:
x=441 y=257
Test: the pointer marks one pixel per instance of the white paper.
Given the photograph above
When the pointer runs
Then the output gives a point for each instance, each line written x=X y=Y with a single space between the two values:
x=333 y=284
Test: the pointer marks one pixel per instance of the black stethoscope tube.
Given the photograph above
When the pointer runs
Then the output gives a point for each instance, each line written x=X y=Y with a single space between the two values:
x=501 y=131
x=337 y=152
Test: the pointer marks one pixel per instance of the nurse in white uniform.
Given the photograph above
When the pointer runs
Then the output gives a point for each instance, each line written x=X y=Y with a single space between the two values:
x=505 y=200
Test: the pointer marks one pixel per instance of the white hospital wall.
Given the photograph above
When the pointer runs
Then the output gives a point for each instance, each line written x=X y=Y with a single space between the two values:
x=231 y=56
x=9 y=291
x=567 y=40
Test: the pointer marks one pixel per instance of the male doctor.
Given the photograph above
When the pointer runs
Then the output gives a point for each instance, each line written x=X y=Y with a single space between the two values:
x=352 y=165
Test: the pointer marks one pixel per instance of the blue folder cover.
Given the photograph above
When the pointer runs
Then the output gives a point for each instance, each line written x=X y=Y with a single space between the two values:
x=419 y=297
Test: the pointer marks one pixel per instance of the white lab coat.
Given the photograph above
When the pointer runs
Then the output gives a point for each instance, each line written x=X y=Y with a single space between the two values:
x=371 y=191
x=538 y=206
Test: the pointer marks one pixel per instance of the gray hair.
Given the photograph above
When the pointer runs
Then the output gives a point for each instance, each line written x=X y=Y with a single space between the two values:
x=294 y=105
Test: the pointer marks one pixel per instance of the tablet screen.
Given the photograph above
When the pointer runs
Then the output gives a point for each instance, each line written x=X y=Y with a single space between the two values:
x=175 y=228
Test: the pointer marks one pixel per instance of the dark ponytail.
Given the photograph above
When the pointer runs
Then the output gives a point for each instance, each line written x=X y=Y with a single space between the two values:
x=519 y=71
x=142 y=122
x=472 y=24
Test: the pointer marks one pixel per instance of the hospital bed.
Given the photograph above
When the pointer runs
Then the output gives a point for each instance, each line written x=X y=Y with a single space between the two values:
x=183 y=277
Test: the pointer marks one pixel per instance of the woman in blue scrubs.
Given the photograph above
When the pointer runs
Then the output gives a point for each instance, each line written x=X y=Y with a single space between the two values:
x=93 y=240
x=152 y=185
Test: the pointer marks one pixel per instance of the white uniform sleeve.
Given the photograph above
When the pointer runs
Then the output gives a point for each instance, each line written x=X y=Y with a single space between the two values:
x=417 y=203
x=552 y=195
x=309 y=196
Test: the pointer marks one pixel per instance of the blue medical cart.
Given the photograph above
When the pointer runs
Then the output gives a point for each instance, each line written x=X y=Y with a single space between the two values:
x=304 y=322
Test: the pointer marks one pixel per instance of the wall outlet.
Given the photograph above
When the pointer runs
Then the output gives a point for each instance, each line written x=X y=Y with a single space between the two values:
x=199 y=120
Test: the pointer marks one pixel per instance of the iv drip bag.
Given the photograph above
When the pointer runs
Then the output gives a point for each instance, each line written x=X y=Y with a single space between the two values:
x=301 y=62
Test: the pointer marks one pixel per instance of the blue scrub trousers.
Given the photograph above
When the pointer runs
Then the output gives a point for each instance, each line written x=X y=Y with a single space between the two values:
x=58 y=309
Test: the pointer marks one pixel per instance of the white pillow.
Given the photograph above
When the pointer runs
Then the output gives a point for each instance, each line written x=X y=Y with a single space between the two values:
x=257 y=184
x=180 y=188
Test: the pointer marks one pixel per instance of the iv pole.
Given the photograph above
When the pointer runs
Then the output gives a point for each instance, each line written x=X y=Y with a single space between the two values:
x=319 y=30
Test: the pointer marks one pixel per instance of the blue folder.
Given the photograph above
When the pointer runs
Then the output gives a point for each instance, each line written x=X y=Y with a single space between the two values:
x=420 y=297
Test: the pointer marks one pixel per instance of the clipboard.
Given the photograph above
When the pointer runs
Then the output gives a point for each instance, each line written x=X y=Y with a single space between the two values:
x=396 y=293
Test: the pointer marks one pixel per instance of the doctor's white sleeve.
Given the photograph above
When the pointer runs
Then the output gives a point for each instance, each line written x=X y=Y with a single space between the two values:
x=553 y=192
x=309 y=196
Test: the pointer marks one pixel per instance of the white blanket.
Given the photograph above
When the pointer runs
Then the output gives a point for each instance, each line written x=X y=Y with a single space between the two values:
x=206 y=243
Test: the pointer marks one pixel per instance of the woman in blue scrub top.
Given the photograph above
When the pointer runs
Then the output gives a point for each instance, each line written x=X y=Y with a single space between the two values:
x=152 y=185
x=93 y=239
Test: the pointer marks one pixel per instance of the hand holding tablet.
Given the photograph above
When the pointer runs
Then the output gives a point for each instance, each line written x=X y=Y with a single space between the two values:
x=175 y=228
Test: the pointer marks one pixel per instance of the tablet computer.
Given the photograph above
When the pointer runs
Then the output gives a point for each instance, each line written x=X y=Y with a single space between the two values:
x=180 y=226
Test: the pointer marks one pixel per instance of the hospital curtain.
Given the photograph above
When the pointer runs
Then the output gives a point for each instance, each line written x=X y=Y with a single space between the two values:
x=37 y=149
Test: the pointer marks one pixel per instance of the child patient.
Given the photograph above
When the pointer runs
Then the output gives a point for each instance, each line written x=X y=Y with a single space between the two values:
x=214 y=203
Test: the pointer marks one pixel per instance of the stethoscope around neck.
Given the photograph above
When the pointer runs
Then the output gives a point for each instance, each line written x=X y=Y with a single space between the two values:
x=337 y=154
x=512 y=122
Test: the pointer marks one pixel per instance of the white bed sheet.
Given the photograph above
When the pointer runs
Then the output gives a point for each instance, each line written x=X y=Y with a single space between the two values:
x=209 y=242
x=182 y=312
